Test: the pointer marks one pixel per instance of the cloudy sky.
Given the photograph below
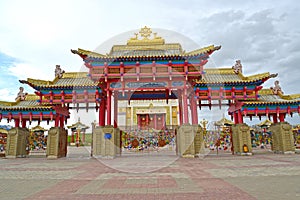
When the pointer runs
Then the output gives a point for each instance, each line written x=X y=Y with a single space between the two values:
x=36 y=35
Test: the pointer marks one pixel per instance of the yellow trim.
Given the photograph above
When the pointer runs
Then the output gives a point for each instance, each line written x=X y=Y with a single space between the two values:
x=39 y=82
x=256 y=76
x=284 y=97
x=294 y=96
x=6 y=103
x=74 y=75
x=2 y=130
x=29 y=97
x=219 y=71
x=168 y=46
x=175 y=46
x=265 y=92
x=90 y=53
x=202 y=50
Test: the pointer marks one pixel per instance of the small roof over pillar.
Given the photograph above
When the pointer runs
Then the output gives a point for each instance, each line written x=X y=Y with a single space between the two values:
x=78 y=126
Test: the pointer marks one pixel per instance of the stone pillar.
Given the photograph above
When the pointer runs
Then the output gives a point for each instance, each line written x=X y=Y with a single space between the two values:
x=282 y=138
x=56 y=143
x=118 y=141
x=106 y=141
x=189 y=140
x=241 y=139
x=17 y=139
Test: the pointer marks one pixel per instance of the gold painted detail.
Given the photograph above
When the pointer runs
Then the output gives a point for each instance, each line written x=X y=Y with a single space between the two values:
x=202 y=50
x=232 y=77
x=291 y=97
x=219 y=71
x=75 y=75
x=169 y=46
x=257 y=76
x=145 y=33
x=89 y=53
x=29 y=102
x=39 y=82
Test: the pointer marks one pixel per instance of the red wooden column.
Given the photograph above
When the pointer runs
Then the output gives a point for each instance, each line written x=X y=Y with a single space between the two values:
x=83 y=136
x=23 y=123
x=72 y=137
x=163 y=121
x=115 y=109
x=62 y=121
x=155 y=122
x=281 y=117
x=185 y=107
x=102 y=113
x=108 y=106
x=235 y=117
x=194 y=110
x=275 y=119
x=240 y=117
x=17 y=123
x=56 y=120
x=147 y=120
x=139 y=121
x=180 y=108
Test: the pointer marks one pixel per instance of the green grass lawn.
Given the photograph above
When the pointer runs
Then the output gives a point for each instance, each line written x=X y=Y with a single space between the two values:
x=88 y=139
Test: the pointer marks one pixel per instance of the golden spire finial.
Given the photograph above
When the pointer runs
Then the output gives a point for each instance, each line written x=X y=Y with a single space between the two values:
x=147 y=38
x=145 y=32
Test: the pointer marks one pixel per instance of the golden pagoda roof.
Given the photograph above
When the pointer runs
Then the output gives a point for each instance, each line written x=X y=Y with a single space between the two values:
x=267 y=122
x=224 y=122
x=38 y=128
x=69 y=79
x=78 y=125
x=30 y=102
x=2 y=130
x=146 y=44
x=227 y=75
x=124 y=51
x=267 y=97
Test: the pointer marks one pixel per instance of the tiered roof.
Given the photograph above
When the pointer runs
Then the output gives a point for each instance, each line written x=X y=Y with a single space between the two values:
x=267 y=97
x=30 y=103
x=148 y=46
x=227 y=76
x=219 y=84
x=68 y=80
x=146 y=54
x=78 y=125
x=30 y=108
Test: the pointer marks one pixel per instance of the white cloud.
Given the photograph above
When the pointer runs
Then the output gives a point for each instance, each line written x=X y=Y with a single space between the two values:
x=6 y=95
x=40 y=34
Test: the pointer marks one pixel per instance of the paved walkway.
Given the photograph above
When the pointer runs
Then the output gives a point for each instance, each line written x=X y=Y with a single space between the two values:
x=151 y=176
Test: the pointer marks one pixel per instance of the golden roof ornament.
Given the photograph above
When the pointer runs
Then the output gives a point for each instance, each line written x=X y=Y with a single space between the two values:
x=21 y=94
x=145 y=32
x=58 y=71
x=237 y=68
x=147 y=38
x=276 y=89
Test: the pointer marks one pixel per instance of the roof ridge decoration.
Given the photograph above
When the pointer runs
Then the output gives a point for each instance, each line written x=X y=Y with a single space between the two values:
x=58 y=71
x=219 y=70
x=146 y=33
x=75 y=75
x=237 y=78
x=21 y=94
x=276 y=89
x=269 y=91
x=237 y=67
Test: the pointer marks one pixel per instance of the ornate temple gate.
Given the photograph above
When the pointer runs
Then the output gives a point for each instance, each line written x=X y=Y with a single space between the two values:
x=147 y=68
x=21 y=113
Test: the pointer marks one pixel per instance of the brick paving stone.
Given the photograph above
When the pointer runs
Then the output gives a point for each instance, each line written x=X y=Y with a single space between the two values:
x=154 y=176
